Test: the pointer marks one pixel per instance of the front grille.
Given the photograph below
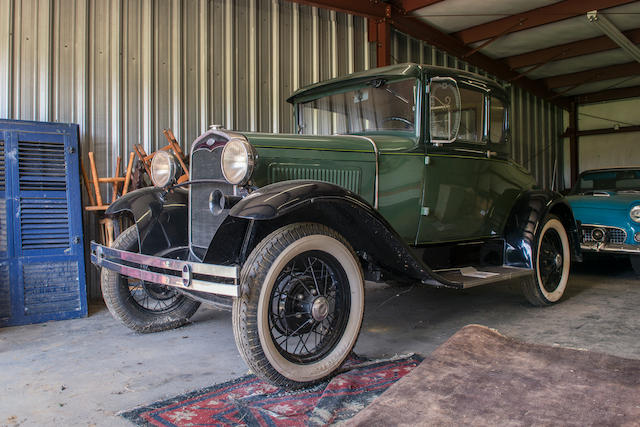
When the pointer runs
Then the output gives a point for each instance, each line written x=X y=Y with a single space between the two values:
x=205 y=164
x=612 y=234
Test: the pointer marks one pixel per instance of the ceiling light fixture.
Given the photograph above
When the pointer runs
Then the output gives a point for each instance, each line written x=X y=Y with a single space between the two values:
x=614 y=33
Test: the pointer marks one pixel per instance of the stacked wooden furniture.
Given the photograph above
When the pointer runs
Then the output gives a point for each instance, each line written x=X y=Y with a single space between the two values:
x=97 y=204
x=121 y=184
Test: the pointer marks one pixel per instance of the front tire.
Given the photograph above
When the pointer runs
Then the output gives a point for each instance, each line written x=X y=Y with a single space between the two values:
x=552 y=261
x=301 y=307
x=141 y=306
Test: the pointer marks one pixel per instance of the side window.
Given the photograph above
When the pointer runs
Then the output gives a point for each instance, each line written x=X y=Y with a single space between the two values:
x=498 y=120
x=471 y=115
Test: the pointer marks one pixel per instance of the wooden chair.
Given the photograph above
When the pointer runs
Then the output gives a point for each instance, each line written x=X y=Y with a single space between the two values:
x=96 y=202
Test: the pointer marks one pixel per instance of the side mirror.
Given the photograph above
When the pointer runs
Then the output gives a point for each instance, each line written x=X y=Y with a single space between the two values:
x=444 y=109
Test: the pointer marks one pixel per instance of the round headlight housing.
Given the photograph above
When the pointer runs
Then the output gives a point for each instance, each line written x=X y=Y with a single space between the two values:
x=238 y=160
x=164 y=169
x=635 y=213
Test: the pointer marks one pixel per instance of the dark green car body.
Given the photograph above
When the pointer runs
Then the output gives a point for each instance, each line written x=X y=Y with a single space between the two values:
x=400 y=174
x=438 y=203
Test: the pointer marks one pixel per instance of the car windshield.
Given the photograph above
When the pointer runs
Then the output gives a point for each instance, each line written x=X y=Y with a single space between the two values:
x=378 y=105
x=611 y=180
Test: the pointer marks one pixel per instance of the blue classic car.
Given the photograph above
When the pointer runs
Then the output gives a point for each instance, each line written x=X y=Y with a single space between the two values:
x=607 y=203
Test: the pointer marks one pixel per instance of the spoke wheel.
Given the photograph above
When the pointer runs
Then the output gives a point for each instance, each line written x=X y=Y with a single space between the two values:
x=309 y=305
x=140 y=305
x=301 y=306
x=552 y=259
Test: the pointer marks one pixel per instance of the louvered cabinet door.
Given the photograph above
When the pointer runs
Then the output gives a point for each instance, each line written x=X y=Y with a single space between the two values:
x=46 y=257
x=5 y=288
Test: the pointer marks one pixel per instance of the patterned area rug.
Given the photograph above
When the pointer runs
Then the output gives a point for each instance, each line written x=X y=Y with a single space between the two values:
x=250 y=401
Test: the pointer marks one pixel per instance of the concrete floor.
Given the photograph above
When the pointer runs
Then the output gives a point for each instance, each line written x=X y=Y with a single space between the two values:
x=82 y=372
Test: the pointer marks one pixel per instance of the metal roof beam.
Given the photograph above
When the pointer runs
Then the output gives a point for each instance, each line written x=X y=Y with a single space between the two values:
x=603 y=131
x=411 y=5
x=597 y=74
x=534 y=18
x=568 y=50
x=422 y=31
x=608 y=95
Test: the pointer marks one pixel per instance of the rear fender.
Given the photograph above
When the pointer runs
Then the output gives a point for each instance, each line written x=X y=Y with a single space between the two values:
x=525 y=219
x=160 y=217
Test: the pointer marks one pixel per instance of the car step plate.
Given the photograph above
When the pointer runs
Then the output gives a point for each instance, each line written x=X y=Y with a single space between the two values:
x=470 y=276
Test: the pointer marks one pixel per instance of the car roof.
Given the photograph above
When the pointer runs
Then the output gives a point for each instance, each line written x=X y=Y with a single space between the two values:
x=397 y=70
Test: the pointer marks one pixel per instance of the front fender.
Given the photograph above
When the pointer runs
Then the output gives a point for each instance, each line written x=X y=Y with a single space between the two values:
x=526 y=216
x=287 y=202
x=161 y=217
x=281 y=198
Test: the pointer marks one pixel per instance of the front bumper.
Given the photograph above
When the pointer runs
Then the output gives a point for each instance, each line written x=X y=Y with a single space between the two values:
x=621 y=248
x=186 y=275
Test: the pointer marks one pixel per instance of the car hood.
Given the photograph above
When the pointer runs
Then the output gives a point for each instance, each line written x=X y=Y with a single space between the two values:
x=616 y=201
x=352 y=143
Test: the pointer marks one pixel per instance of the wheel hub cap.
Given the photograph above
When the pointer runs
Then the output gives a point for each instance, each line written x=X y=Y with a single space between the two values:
x=320 y=309
x=558 y=260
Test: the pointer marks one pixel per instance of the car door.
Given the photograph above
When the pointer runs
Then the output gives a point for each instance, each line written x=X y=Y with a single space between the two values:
x=457 y=194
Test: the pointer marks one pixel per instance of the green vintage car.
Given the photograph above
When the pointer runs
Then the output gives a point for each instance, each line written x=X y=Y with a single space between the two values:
x=399 y=173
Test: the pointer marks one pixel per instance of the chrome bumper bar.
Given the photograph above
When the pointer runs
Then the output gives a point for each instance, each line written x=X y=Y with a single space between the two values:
x=178 y=274
x=610 y=247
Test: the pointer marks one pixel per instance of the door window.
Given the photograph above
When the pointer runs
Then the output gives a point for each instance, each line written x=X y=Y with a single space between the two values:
x=471 y=116
x=498 y=120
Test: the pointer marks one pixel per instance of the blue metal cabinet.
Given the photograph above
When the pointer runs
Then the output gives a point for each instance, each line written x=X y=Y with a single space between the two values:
x=42 y=271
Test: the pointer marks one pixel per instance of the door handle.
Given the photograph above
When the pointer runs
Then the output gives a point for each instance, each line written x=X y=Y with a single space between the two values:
x=491 y=153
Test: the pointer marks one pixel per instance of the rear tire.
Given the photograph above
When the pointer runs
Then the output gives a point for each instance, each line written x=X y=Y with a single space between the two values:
x=141 y=306
x=301 y=305
x=551 y=261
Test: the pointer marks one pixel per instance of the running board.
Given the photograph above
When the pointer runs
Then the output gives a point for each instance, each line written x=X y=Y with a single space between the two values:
x=468 y=277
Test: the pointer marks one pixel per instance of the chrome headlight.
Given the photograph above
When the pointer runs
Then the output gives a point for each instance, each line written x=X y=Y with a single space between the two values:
x=164 y=169
x=635 y=213
x=238 y=160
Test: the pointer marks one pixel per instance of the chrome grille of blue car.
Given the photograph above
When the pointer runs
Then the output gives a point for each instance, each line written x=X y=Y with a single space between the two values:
x=612 y=234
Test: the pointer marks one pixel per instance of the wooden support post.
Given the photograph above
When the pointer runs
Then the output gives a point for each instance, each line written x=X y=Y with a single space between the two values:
x=127 y=178
x=115 y=183
x=94 y=176
x=87 y=186
x=383 y=30
x=173 y=144
x=142 y=155
x=573 y=142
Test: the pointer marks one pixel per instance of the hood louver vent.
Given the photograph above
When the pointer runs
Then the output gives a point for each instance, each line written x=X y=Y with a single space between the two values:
x=346 y=178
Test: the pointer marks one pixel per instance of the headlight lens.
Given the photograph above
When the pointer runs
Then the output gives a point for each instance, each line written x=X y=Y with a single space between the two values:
x=238 y=159
x=163 y=169
x=635 y=213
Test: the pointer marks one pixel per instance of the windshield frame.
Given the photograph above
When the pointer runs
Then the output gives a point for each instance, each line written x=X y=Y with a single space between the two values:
x=416 y=132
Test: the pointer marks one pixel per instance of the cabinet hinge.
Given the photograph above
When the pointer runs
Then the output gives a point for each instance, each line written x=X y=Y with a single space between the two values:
x=424 y=211
x=427 y=160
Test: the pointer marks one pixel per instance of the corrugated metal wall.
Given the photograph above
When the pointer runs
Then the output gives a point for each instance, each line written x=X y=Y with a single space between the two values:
x=126 y=69
x=535 y=123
